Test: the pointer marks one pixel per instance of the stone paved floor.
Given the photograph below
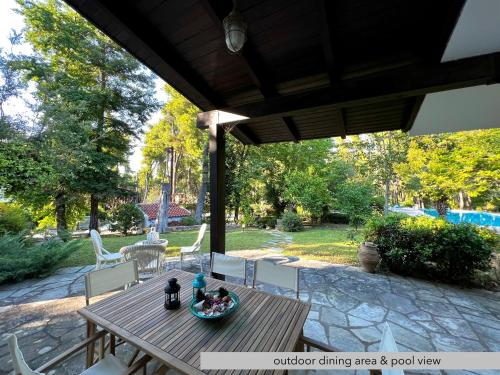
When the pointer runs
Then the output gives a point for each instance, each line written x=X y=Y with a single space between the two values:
x=349 y=308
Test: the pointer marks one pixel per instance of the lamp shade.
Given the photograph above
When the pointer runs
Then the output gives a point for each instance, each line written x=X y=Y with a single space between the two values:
x=235 y=31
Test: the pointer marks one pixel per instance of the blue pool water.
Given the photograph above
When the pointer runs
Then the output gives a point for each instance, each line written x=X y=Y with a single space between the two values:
x=474 y=217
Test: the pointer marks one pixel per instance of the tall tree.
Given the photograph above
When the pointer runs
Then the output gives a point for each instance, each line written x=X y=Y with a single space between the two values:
x=85 y=79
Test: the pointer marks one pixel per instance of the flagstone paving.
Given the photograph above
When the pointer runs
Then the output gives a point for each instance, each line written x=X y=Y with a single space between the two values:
x=349 y=311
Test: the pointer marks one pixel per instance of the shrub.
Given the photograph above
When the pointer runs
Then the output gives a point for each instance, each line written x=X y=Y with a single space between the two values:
x=423 y=245
x=13 y=219
x=291 y=222
x=266 y=221
x=335 y=218
x=188 y=221
x=20 y=258
x=125 y=217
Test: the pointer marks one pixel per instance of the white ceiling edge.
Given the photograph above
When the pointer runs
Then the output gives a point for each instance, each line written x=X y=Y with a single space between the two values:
x=477 y=31
x=469 y=108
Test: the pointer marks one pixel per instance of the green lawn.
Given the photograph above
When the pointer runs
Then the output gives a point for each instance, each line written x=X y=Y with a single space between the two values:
x=328 y=244
x=235 y=240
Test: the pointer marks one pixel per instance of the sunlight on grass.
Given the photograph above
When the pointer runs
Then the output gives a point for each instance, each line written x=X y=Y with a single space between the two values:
x=235 y=240
x=328 y=244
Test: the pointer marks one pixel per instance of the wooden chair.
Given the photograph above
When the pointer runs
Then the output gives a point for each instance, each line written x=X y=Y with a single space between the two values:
x=106 y=280
x=149 y=258
x=102 y=255
x=275 y=274
x=194 y=250
x=108 y=364
x=229 y=266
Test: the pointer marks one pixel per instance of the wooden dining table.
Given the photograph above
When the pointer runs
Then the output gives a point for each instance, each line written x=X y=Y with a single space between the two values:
x=263 y=323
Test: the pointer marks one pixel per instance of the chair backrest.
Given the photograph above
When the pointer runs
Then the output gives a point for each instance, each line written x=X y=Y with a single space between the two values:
x=20 y=365
x=229 y=266
x=276 y=274
x=109 y=279
x=96 y=242
x=147 y=256
x=201 y=235
x=388 y=345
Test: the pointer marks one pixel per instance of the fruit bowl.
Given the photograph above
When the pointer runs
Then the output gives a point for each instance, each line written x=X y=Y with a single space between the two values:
x=211 y=315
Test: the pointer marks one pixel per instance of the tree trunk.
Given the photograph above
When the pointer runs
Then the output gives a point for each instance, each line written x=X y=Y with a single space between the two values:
x=442 y=206
x=461 y=199
x=203 y=188
x=236 y=210
x=386 y=197
x=61 y=224
x=146 y=188
x=94 y=213
x=163 y=212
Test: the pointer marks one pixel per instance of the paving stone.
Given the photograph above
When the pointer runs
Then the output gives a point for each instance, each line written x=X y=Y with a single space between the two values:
x=438 y=308
x=448 y=343
x=398 y=303
x=456 y=327
x=368 y=334
x=493 y=346
x=486 y=332
x=320 y=298
x=420 y=315
x=45 y=349
x=313 y=315
x=369 y=311
x=409 y=338
x=467 y=302
x=314 y=329
x=358 y=290
x=354 y=321
x=330 y=315
x=403 y=321
x=432 y=326
x=426 y=295
x=341 y=301
x=483 y=321
x=344 y=340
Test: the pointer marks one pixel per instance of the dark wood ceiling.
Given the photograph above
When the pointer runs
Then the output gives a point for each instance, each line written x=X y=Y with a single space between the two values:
x=310 y=68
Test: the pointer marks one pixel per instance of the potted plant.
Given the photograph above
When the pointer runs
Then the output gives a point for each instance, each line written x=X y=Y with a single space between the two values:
x=368 y=256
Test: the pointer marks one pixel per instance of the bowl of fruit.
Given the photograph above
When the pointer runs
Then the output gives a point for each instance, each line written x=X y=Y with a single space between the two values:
x=214 y=304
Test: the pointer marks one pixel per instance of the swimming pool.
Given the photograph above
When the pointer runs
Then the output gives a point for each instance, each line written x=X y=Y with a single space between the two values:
x=475 y=217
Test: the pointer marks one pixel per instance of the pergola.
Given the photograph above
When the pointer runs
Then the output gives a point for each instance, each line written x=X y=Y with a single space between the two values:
x=309 y=69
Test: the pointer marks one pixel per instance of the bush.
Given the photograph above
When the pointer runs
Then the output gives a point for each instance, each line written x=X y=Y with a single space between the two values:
x=335 y=218
x=265 y=221
x=188 y=221
x=291 y=222
x=13 y=219
x=20 y=258
x=423 y=245
x=126 y=217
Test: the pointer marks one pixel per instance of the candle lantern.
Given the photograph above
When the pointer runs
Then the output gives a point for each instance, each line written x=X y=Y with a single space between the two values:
x=199 y=287
x=172 y=299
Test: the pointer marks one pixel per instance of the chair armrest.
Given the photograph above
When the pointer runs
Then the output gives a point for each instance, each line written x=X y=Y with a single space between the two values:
x=68 y=353
x=105 y=251
x=137 y=365
x=311 y=343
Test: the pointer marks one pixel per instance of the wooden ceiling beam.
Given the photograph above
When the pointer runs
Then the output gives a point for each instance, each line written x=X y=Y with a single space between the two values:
x=327 y=40
x=407 y=82
x=292 y=128
x=341 y=119
x=412 y=113
x=113 y=15
x=248 y=134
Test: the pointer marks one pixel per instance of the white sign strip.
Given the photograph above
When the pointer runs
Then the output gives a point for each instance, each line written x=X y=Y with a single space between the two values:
x=350 y=360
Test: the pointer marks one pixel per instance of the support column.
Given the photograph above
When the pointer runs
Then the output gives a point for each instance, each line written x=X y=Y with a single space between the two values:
x=217 y=191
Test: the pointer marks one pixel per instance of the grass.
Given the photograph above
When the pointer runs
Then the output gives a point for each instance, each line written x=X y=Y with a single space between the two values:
x=328 y=244
x=235 y=240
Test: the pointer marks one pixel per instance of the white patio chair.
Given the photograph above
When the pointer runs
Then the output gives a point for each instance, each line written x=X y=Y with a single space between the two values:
x=153 y=236
x=229 y=266
x=102 y=255
x=108 y=364
x=149 y=258
x=194 y=250
x=276 y=274
x=388 y=345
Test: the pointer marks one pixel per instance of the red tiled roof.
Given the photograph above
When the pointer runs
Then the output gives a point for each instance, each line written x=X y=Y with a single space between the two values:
x=174 y=210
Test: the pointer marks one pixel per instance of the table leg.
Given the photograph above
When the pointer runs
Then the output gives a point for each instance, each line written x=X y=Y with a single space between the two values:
x=91 y=327
x=112 y=344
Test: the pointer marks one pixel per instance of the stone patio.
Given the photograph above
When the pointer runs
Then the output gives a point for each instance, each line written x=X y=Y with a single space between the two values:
x=349 y=308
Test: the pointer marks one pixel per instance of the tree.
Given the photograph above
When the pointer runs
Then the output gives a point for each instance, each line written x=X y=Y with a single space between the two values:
x=88 y=86
x=354 y=199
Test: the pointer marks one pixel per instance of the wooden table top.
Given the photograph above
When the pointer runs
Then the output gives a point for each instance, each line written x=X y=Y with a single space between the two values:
x=263 y=322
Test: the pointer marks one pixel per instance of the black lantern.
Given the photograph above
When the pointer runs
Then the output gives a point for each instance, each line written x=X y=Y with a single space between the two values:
x=172 y=300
